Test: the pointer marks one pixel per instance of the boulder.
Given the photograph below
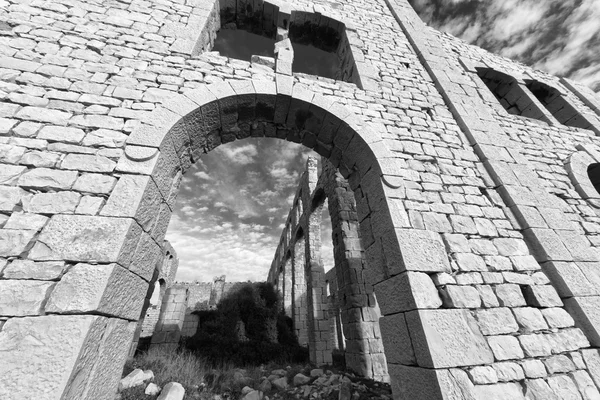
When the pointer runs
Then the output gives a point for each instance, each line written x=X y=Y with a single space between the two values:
x=172 y=391
x=152 y=389
x=301 y=379
x=253 y=395
x=265 y=386
x=246 y=390
x=316 y=372
x=281 y=383
x=136 y=377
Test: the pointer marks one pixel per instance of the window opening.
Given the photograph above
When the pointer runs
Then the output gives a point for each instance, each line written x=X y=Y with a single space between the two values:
x=593 y=171
x=557 y=105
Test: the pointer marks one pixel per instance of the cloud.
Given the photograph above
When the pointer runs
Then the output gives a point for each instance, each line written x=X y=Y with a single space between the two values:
x=242 y=155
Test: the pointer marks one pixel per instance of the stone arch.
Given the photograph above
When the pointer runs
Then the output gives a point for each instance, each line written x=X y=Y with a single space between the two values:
x=578 y=167
x=121 y=244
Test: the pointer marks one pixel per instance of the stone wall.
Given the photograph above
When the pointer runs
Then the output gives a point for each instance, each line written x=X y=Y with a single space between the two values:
x=350 y=305
x=479 y=227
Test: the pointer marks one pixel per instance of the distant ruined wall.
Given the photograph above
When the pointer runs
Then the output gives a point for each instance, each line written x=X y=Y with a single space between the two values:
x=349 y=310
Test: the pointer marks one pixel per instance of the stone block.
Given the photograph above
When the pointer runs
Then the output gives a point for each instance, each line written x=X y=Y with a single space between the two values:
x=28 y=221
x=106 y=289
x=496 y=321
x=564 y=387
x=508 y=371
x=510 y=295
x=148 y=256
x=10 y=197
x=52 y=347
x=447 y=338
x=483 y=375
x=87 y=239
x=94 y=183
x=534 y=369
x=574 y=279
x=23 y=297
x=135 y=196
x=13 y=242
x=88 y=163
x=559 y=364
x=585 y=385
x=407 y=291
x=505 y=347
x=542 y=296
x=538 y=389
x=422 y=251
x=499 y=391
x=557 y=318
x=41 y=271
x=455 y=296
x=530 y=319
x=396 y=340
x=46 y=178
x=546 y=245
x=9 y=174
x=536 y=345
x=52 y=203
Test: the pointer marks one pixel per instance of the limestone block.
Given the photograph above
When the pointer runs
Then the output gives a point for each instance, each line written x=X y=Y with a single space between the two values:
x=557 y=318
x=87 y=238
x=94 y=183
x=496 y=321
x=134 y=196
x=585 y=311
x=564 y=387
x=9 y=174
x=46 y=178
x=542 y=296
x=136 y=377
x=147 y=255
x=421 y=251
x=172 y=391
x=104 y=138
x=52 y=203
x=499 y=391
x=536 y=345
x=41 y=271
x=61 y=134
x=559 y=364
x=10 y=197
x=88 y=162
x=106 y=289
x=13 y=242
x=534 y=369
x=546 y=245
x=574 y=279
x=505 y=347
x=396 y=340
x=585 y=385
x=455 y=296
x=20 y=298
x=592 y=361
x=447 y=338
x=508 y=371
x=538 y=389
x=567 y=340
x=19 y=220
x=40 y=114
x=530 y=319
x=510 y=295
x=483 y=375
x=407 y=291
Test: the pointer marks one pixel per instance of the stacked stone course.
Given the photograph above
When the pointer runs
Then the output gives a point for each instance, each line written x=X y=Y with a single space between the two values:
x=478 y=228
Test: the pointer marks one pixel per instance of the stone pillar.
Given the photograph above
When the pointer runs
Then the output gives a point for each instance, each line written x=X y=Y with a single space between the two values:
x=299 y=292
x=170 y=323
x=287 y=285
x=359 y=321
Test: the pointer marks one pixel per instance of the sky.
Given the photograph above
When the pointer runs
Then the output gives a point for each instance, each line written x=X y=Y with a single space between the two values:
x=234 y=201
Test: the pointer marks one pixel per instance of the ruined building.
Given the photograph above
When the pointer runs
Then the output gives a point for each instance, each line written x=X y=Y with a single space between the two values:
x=474 y=180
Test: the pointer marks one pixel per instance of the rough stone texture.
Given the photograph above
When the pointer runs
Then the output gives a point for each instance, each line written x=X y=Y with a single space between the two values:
x=456 y=170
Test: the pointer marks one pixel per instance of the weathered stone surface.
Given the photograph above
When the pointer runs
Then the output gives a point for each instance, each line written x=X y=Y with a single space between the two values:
x=152 y=389
x=456 y=296
x=10 y=197
x=89 y=163
x=21 y=298
x=136 y=377
x=9 y=174
x=447 y=338
x=53 y=203
x=496 y=321
x=538 y=389
x=583 y=310
x=508 y=371
x=86 y=238
x=300 y=379
x=61 y=134
x=534 y=369
x=13 y=242
x=29 y=221
x=422 y=251
x=41 y=271
x=530 y=319
x=280 y=383
x=94 y=183
x=499 y=391
x=505 y=347
x=407 y=291
x=483 y=375
x=106 y=289
x=172 y=391
x=396 y=339
x=45 y=178
x=564 y=387
x=557 y=318
x=40 y=114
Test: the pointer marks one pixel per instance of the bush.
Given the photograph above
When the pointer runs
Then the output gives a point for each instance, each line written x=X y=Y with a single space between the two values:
x=267 y=333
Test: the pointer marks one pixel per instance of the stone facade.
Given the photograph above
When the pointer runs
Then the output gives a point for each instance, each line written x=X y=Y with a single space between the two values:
x=477 y=219
x=350 y=306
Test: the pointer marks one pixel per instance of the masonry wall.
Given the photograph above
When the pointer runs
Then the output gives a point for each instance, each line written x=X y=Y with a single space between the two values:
x=477 y=226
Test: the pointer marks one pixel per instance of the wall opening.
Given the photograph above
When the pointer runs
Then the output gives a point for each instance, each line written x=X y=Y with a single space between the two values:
x=509 y=93
x=593 y=172
x=557 y=105
x=320 y=45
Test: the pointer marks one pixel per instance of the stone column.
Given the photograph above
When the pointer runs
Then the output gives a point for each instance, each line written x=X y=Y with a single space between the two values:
x=299 y=292
x=287 y=285
x=364 y=348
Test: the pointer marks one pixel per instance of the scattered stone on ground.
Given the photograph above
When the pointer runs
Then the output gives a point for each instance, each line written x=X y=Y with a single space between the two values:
x=136 y=377
x=152 y=389
x=172 y=391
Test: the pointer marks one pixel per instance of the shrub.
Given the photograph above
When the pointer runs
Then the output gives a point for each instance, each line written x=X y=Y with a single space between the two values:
x=268 y=334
